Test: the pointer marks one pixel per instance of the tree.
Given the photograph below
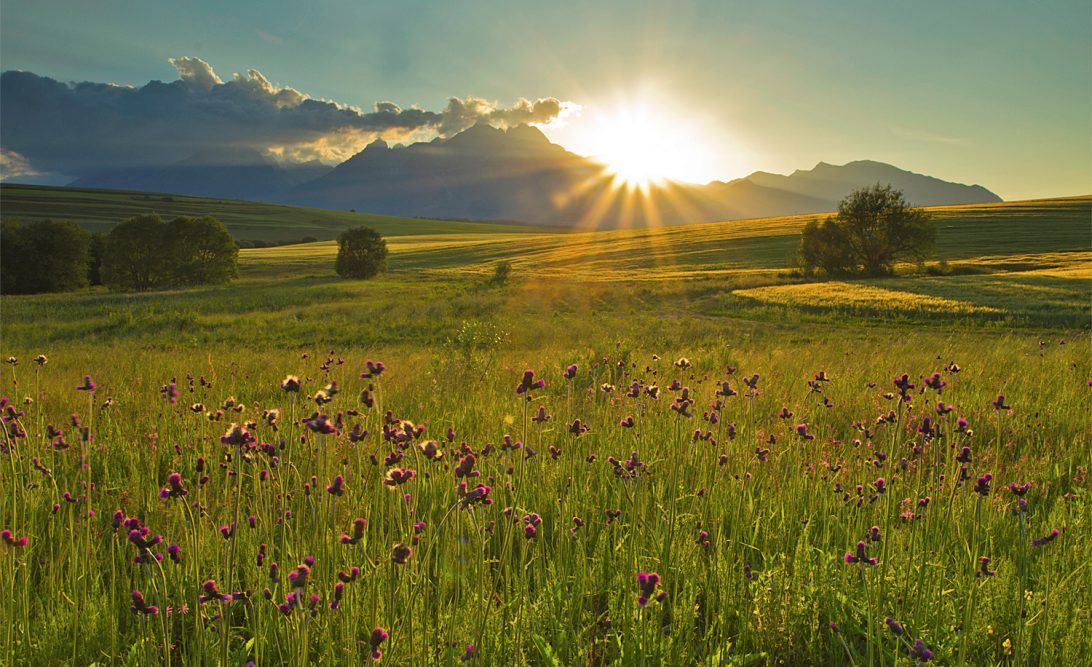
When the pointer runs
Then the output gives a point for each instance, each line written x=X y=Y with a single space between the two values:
x=200 y=251
x=361 y=253
x=136 y=256
x=98 y=248
x=47 y=256
x=874 y=228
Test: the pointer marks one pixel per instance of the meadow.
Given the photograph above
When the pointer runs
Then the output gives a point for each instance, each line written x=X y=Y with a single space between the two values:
x=813 y=472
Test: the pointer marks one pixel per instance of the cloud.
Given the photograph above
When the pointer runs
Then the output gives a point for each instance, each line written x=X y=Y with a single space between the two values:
x=86 y=128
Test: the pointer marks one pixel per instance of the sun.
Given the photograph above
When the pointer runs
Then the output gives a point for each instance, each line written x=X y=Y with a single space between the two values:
x=640 y=148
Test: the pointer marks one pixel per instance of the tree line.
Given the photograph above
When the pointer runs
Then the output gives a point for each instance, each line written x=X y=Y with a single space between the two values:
x=139 y=254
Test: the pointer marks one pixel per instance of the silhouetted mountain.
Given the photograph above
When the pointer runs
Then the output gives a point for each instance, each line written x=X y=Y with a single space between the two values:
x=830 y=183
x=485 y=173
x=229 y=172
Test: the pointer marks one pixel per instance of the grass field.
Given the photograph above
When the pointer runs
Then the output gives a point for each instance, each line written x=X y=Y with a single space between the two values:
x=746 y=503
x=99 y=210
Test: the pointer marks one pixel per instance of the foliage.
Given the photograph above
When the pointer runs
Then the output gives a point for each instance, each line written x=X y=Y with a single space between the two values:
x=98 y=251
x=874 y=229
x=200 y=252
x=502 y=272
x=144 y=253
x=136 y=256
x=361 y=253
x=46 y=256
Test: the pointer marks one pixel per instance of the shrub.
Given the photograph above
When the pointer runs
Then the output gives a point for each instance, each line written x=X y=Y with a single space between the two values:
x=873 y=229
x=200 y=251
x=361 y=253
x=47 y=256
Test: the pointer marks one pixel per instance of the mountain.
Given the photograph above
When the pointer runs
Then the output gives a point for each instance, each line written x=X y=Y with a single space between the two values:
x=230 y=172
x=489 y=173
x=486 y=173
x=830 y=183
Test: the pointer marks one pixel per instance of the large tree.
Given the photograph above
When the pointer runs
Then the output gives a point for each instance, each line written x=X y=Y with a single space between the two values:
x=361 y=253
x=874 y=228
x=137 y=256
x=200 y=252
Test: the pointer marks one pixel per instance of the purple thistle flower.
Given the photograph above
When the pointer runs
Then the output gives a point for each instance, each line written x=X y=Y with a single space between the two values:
x=398 y=476
x=139 y=606
x=528 y=382
x=336 y=487
x=379 y=635
x=920 y=652
x=401 y=553
x=15 y=542
x=649 y=582
x=374 y=369
x=570 y=372
x=982 y=485
x=1047 y=539
x=984 y=567
x=895 y=628
x=88 y=385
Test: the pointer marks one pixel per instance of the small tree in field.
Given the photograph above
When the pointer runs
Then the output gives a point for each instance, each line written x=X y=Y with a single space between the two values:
x=361 y=253
x=46 y=256
x=873 y=229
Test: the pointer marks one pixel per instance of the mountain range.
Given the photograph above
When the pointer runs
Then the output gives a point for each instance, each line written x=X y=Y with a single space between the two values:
x=486 y=173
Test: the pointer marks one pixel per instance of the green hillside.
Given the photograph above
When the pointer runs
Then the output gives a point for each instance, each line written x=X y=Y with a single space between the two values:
x=99 y=210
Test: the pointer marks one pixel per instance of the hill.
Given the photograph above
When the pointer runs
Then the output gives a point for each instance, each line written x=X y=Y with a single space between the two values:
x=99 y=210
x=489 y=173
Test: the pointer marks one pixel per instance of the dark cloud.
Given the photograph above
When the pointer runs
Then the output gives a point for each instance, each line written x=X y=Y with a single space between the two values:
x=85 y=128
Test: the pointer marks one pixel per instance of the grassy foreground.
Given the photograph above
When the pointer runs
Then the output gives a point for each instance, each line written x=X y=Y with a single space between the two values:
x=828 y=514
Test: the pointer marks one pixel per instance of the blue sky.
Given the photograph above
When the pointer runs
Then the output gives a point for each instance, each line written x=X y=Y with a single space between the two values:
x=993 y=93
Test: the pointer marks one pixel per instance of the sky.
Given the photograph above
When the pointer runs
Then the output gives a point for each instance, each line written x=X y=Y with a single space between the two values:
x=998 y=94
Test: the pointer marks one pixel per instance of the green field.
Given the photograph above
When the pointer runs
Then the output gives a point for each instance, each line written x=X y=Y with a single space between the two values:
x=747 y=522
x=99 y=210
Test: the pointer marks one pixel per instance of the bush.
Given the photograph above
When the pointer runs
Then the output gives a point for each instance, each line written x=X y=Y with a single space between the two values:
x=502 y=272
x=47 y=256
x=144 y=253
x=361 y=253
x=874 y=229
x=200 y=251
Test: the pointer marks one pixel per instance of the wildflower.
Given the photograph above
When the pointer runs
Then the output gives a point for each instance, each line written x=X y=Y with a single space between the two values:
x=860 y=557
x=374 y=369
x=291 y=384
x=379 y=635
x=964 y=455
x=528 y=382
x=895 y=628
x=1038 y=542
x=984 y=568
x=880 y=484
x=466 y=467
x=612 y=515
x=298 y=577
x=903 y=384
x=627 y=422
x=1020 y=490
x=174 y=487
x=579 y=428
x=431 y=450
x=920 y=652
x=401 y=554
x=541 y=417
x=9 y=539
x=982 y=485
x=139 y=606
x=319 y=423
x=802 y=431
x=935 y=382
x=785 y=413
x=649 y=583
x=88 y=384
x=337 y=487
x=682 y=363
x=943 y=409
x=41 y=360
x=999 y=403
x=479 y=494
x=170 y=392
x=209 y=592
x=570 y=372
x=398 y=476
x=236 y=435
